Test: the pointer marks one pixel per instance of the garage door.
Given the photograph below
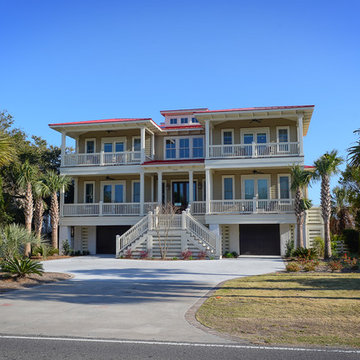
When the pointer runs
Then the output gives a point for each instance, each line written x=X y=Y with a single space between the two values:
x=106 y=238
x=260 y=239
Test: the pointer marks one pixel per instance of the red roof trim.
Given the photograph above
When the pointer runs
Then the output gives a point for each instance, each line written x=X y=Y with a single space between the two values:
x=257 y=108
x=168 y=128
x=309 y=167
x=159 y=162
x=103 y=121
x=182 y=111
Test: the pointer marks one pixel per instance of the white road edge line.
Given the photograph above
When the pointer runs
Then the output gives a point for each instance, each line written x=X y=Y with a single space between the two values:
x=148 y=342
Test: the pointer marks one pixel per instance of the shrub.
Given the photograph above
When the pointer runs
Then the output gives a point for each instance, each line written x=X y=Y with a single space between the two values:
x=186 y=255
x=289 y=248
x=319 y=246
x=175 y=258
x=53 y=251
x=228 y=255
x=41 y=250
x=310 y=265
x=235 y=254
x=352 y=240
x=304 y=253
x=22 y=267
x=128 y=254
x=202 y=255
x=293 y=267
x=334 y=265
x=144 y=254
x=350 y=263
x=86 y=252
x=66 y=248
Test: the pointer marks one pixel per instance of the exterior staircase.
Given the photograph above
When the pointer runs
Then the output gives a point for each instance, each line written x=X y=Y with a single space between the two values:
x=157 y=233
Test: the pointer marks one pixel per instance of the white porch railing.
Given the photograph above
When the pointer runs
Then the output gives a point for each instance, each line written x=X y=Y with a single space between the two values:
x=198 y=207
x=103 y=159
x=106 y=209
x=254 y=150
x=267 y=206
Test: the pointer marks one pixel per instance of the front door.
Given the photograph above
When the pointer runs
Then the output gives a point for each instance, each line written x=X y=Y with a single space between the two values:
x=180 y=194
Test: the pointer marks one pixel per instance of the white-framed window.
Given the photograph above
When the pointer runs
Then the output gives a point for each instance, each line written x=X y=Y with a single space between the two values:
x=228 y=187
x=184 y=120
x=136 y=146
x=173 y=121
x=112 y=145
x=255 y=186
x=89 y=192
x=227 y=136
x=113 y=191
x=90 y=146
x=135 y=191
x=284 y=192
x=184 y=147
x=194 y=120
x=283 y=138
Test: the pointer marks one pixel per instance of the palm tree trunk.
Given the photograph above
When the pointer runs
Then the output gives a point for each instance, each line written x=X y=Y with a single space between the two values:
x=328 y=252
x=326 y=212
x=300 y=231
x=38 y=216
x=298 y=213
x=28 y=210
x=54 y=213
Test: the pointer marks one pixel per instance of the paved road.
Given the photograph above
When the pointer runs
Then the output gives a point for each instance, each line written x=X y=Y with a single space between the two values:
x=56 y=349
x=122 y=299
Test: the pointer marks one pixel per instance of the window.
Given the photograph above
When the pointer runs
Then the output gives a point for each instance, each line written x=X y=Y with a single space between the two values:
x=184 y=120
x=228 y=188
x=256 y=186
x=194 y=120
x=170 y=149
x=173 y=121
x=249 y=189
x=113 y=192
x=227 y=137
x=184 y=148
x=283 y=135
x=262 y=188
x=283 y=139
x=284 y=187
x=107 y=194
x=89 y=192
x=108 y=147
x=198 y=147
x=136 y=147
x=90 y=146
x=136 y=192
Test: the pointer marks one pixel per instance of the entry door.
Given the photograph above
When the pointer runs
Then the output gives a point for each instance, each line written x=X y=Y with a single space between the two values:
x=180 y=194
x=258 y=188
x=255 y=137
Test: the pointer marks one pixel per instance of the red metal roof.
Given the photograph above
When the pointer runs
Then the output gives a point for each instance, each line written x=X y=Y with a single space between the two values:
x=182 y=161
x=177 y=127
x=257 y=108
x=103 y=121
x=181 y=111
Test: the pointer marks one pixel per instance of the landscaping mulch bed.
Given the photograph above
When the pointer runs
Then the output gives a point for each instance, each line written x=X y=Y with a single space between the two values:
x=8 y=282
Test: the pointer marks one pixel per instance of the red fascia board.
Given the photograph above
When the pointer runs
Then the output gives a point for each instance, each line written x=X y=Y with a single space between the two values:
x=258 y=109
x=182 y=111
x=159 y=162
x=179 y=127
x=89 y=122
x=309 y=167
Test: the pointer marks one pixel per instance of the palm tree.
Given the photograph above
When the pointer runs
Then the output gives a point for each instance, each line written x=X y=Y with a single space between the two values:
x=326 y=166
x=26 y=178
x=54 y=184
x=354 y=153
x=7 y=149
x=40 y=192
x=299 y=179
x=341 y=216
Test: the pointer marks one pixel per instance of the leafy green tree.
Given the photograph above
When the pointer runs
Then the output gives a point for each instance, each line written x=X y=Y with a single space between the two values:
x=326 y=166
x=55 y=183
x=354 y=153
x=300 y=178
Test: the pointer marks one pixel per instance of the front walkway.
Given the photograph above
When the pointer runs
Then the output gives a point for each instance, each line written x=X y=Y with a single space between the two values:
x=123 y=299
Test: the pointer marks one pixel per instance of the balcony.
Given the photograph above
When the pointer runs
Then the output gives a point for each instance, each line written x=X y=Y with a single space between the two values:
x=255 y=206
x=254 y=150
x=103 y=159
x=106 y=209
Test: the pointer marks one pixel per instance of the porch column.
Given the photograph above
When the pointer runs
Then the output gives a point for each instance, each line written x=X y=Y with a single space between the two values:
x=191 y=186
x=207 y=138
x=208 y=184
x=62 y=198
x=76 y=190
x=153 y=145
x=142 y=193
x=63 y=147
x=142 y=144
x=300 y=134
x=159 y=192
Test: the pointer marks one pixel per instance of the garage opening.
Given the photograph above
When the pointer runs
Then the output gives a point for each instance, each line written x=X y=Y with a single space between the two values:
x=260 y=239
x=106 y=238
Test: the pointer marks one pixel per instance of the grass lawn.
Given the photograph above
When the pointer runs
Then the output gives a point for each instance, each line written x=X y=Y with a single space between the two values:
x=303 y=309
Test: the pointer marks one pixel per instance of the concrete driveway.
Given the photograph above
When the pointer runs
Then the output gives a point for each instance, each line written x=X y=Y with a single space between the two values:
x=123 y=299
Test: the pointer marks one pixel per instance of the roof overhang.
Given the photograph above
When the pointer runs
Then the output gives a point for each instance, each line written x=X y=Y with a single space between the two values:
x=288 y=112
x=181 y=111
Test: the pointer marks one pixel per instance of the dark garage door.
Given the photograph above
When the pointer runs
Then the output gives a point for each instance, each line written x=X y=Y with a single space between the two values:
x=106 y=238
x=260 y=239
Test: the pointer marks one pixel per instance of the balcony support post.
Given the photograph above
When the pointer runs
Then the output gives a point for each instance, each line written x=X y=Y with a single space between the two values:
x=300 y=134
x=101 y=158
x=62 y=198
x=142 y=144
x=76 y=190
x=159 y=191
x=191 y=186
x=208 y=184
x=152 y=145
x=207 y=138
x=100 y=208
x=63 y=147
x=142 y=193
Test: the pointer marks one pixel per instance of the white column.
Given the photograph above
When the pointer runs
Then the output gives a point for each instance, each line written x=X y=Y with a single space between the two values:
x=63 y=147
x=62 y=198
x=191 y=186
x=300 y=134
x=142 y=144
x=153 y=145
x=208 y=189
x=76 y=190
x=207 y=138
x=142 y=193
x=159 y=192
x=152 y=188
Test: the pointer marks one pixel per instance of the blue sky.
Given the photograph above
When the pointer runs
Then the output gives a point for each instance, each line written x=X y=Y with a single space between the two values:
x=83 y=60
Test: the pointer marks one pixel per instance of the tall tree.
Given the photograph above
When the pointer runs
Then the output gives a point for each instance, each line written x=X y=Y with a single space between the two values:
x=326 y=166
x=55 y=183
x=354 y=153
x=40 y=191
x=340 y=211
x=299 y=179
x=26 y=178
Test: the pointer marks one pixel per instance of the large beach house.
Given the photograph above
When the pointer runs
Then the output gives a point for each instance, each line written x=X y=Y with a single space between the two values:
x=226 y=171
